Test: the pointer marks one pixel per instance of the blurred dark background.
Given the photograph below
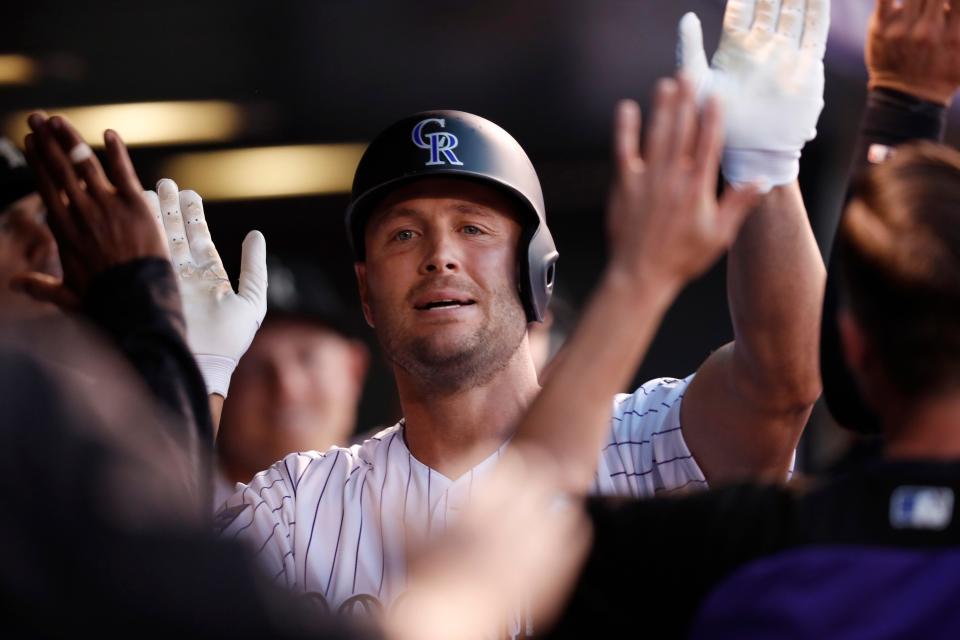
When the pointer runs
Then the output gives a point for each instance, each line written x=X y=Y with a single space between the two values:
x=295 y=73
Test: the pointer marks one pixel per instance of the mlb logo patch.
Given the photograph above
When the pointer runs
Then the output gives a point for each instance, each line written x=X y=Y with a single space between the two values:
x=929 y=508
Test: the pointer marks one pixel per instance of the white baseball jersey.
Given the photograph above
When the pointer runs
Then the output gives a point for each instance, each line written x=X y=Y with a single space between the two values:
x=334 y=525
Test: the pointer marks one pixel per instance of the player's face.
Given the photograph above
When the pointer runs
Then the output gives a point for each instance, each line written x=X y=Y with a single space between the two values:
x=296 y=389
x=26 y=245
x=439 y=282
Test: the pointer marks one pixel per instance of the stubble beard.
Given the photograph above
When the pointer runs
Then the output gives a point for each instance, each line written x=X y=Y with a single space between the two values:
x=471 y=360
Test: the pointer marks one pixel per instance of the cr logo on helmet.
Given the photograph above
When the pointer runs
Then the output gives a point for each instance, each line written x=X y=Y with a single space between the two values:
x=440 y=143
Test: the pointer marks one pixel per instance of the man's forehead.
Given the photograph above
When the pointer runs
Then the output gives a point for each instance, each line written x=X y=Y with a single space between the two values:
x=424 y=207
x=459 y=195
x=295 y=327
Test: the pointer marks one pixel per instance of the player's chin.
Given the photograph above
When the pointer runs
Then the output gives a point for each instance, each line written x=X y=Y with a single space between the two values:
x=445 y=326
x=295 y=424
x=447 y=344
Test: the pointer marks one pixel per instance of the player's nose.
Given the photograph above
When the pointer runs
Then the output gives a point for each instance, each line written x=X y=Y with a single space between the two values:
x=287 y=381
x=441 y=255
x=35 y=241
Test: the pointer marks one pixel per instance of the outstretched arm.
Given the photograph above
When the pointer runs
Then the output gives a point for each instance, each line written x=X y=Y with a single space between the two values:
x=116 y=270
x=748 y=404
x=746 y=408
x=665 y=227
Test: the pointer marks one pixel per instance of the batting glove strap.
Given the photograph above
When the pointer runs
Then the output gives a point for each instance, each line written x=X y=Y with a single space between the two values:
x=762 y=168
x=216 y=371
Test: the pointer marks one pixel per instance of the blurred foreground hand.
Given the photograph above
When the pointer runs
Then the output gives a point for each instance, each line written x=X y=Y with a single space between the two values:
x=98 y=222
x=517 y=548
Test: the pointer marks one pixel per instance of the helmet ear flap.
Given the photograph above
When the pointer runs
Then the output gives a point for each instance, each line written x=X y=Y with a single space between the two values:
x=551 y=273
x=539 y=278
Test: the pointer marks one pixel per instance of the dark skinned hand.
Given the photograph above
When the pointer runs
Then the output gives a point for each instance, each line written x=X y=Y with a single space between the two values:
x=98 y=221
x=913 y=46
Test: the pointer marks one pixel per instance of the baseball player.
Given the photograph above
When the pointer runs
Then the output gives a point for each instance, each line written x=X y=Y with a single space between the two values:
x=26 y=244
x=454 y=258
x=674 y=183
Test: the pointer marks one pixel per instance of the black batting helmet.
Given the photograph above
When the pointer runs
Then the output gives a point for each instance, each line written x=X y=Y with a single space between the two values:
x=455 y=143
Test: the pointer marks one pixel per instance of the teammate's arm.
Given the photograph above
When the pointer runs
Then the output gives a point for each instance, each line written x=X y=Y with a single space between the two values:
x=665 y=226
x=746 y=408
x=116 y=270
x=107 y=232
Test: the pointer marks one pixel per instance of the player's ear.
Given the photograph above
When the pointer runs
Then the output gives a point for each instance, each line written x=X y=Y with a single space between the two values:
x=360 y=269
x=359 y=362
x=853 y=342
x=862 y=359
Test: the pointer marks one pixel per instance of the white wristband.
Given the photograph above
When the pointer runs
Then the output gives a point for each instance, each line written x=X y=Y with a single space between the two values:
x=766 y=169
x=216 y=371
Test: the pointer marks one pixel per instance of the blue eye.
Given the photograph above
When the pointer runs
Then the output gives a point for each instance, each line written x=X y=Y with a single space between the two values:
x=405 y=234
x=472 y=230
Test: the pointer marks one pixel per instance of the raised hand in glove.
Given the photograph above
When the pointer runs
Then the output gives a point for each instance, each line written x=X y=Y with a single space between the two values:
x=768 y=71
x=221 y=323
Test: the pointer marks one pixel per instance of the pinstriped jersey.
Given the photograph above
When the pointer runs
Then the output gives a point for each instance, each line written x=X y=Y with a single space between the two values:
x=335 y=525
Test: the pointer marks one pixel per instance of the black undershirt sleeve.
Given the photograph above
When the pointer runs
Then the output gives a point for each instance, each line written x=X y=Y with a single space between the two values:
x=891 y=118
x=137 y=305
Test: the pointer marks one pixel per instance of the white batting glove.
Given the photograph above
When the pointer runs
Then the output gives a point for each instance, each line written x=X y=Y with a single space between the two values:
x=768 y=71
x=220 y=323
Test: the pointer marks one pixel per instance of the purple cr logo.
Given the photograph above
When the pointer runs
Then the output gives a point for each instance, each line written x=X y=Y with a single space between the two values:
x=440 y=143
